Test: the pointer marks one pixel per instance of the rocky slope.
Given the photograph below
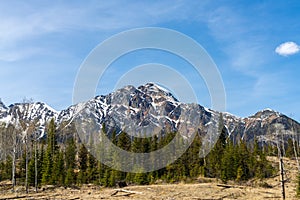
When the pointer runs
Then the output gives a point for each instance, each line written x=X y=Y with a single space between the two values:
x=150 y=108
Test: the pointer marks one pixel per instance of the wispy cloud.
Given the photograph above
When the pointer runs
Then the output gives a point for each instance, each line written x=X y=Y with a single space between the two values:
x=287 y=49
x=36 y=22
x=235 y=34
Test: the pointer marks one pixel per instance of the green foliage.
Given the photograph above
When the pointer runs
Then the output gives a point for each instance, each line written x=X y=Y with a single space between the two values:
x=91 y=172
x=6 y=169
x=239 y=162
x=289 y=151
x=70 y=161
x=141 y=179
x=58 y=172
x=214 y=158
x=82 y=158
x=70 y=177
x=82 y=161
x=63 y=165
x=31 y=172
x=47 y=167
x=51 y=151
x=298 y=186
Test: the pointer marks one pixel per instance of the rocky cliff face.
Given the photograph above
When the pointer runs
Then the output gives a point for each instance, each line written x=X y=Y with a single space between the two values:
x=3 y=110
x=150 y=108
x=266 y=125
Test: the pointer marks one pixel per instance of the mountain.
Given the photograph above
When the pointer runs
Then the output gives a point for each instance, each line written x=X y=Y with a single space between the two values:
x=266 y=126
x=28 y=113
x=3 y=110
x=151 y=109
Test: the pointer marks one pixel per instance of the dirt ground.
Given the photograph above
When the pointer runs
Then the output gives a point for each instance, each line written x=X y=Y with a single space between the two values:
x=203 y=188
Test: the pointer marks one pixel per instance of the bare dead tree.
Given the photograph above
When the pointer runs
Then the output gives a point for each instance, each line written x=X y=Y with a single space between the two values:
x=13 y=142
x=294 y=133
x=28 y=126
x=35 y=162
x=280 y=147
x=14 y=153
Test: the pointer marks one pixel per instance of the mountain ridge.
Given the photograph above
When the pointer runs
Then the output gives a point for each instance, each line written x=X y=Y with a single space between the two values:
x=148 y=108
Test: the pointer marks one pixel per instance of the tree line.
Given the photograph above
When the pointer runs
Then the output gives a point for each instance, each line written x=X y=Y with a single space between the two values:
x=47 y=161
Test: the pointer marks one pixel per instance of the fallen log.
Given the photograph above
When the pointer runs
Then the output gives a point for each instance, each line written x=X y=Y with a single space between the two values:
x=125 y=192
x=225 y=186
x=230 y=186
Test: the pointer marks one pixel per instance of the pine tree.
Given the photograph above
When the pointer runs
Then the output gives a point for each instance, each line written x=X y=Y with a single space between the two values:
x=112 y=178
x=70 y=177
x=298 y=185
x=105 y=178
x=124 y=141
x=82 y=160
x=40 y=162
x=70 y=155
x=50 y=152
x=141 y=178
x=91 y=169
x=58 y=172
x=214 y=158
x=228 y=163
x=7 y=170
x=193 y=159
x=31 y=172
x=239 y=174
x=289 y=152
x=47 y=167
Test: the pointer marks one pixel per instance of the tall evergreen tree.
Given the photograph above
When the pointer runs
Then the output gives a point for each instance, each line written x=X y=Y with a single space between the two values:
x=58 y=171
x=70 y=155
x=298 y=185
x=31 y=172
x=49 y=154
x=82 y=160
x=214 y=158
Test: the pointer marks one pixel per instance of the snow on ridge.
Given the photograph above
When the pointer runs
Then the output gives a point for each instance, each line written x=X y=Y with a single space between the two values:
x=51 y=109
x=154 y=85
x=207 y=110
x=6 y=119
x=269 y=109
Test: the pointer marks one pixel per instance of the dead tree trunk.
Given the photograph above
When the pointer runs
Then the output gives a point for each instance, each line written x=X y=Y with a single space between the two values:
x=35 y=164
x=294 y=148
x=282 y=178
x=13 y=176
x=26 y=162
x=281 y=152
x=14 y=155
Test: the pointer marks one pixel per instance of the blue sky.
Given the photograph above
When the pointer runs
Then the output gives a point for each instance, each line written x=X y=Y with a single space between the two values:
x=255 y=45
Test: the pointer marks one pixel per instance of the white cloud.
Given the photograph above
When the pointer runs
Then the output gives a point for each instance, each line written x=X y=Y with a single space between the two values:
x=32 y=23
x=287 y=48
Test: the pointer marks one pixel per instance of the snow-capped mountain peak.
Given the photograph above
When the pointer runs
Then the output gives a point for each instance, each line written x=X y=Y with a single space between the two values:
x=146 y=109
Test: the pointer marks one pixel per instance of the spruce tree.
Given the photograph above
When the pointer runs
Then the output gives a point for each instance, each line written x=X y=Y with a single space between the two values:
x=50 y=152
x=31 y=172
x=70 y=155
x=58 y=171
x=289 y=152
x=124 y=141
x=214 y=158
x=298 y=185
x=82 y=161
x=91 y=169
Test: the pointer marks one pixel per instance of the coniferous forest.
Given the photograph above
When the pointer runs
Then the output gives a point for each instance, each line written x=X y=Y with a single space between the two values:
x=48 y=162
